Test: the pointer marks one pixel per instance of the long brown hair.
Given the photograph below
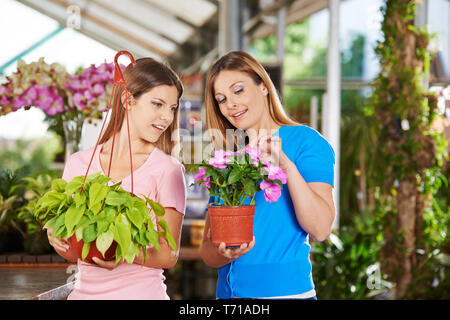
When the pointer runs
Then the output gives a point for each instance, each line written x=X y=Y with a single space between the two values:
x=243 y=62
x=144 y=76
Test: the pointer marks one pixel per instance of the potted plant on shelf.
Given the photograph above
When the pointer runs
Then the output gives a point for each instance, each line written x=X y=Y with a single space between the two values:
x=233 y=178
x=100 y=220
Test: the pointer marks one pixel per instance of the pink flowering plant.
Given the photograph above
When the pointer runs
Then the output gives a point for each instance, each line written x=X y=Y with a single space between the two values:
x=52 y=89
x=67 y=100
x=234 y=176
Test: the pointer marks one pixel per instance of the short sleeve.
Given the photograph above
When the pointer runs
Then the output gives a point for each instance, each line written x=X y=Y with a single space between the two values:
x=68 y=173
x=172 y=191
x=316 y=159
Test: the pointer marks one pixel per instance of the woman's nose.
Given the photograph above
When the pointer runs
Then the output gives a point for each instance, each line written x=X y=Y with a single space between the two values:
x=165 y=114
x=231 y=104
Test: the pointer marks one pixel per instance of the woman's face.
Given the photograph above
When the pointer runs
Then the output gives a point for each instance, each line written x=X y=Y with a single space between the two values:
x=240 y=100
x=153 y=112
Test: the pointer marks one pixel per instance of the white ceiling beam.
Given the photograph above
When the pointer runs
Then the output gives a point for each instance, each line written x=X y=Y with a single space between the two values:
x=153 y=19
x=196 y=12
x=298 y=11
x=89 y=29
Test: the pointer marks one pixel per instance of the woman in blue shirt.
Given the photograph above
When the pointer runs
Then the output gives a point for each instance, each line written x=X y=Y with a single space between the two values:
x=240 y=95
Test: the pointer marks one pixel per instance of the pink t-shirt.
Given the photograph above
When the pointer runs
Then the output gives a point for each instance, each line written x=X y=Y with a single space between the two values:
x=161 y=178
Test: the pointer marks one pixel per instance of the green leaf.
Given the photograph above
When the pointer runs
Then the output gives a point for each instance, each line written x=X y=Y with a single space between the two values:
x=86 y=248
x=97 y=178
x=115 y=198
x=102 y=225
x=59 y=185
x=104 y=241
x=74 y=185
x=97 y=193
x=168 y=234
x=80 y=199
x=122 y=236
x=141 y=239
x=135 y=217
x=79 y=233
x=110 y=214
x=152 y=237
x=130 y=253
x=249 y=187
x=89 y=233
x=51 y=199
x=235 y=175
x=156 y=207
x=72 y=217
x=51 y=223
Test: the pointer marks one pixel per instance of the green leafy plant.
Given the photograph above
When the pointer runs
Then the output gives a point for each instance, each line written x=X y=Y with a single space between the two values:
x=35 y=189
x=346 y=265
x=96 y=212
x=410 y=150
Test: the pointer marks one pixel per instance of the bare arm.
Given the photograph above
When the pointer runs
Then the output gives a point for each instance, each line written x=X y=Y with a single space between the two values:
x=165 y=258
x=313 y=202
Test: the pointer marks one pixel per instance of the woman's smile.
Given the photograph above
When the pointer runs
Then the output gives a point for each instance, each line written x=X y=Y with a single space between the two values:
x=239 y=115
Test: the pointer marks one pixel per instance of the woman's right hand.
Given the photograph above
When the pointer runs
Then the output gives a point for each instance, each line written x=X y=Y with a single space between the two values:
x=59 y=245
x=233 y=253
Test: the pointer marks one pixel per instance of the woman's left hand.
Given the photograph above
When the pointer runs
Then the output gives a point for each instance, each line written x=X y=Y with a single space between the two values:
x=271 y=151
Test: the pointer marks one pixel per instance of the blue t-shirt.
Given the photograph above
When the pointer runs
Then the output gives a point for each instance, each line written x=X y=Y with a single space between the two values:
x=279 y=264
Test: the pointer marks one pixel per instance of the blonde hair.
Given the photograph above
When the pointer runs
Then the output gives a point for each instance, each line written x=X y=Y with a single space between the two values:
x=242 y=62
x=144 y=76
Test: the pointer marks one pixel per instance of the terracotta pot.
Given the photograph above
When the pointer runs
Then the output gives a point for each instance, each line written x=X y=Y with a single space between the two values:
x=232 y=225
x=77 y=246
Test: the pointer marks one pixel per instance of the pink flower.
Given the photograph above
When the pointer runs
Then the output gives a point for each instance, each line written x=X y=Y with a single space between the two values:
x=219 y=160
x=254 y=153
x=201 y=176
x=89 y=95
x=45 y=98
x=80 y=100
x=4 y=90
x=56 y=107
x=98 y=89
x=18 y=103
x=4 y=101
x=272 y=191
x=275 y=173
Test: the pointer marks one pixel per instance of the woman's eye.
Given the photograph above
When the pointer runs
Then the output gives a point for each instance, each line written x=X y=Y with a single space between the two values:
x=219 y=101
x=174 y=109
x=238 y=90
x=157 y=104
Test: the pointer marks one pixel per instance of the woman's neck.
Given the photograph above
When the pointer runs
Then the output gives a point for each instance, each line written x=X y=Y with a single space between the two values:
x=267 y=127
x=122 y=144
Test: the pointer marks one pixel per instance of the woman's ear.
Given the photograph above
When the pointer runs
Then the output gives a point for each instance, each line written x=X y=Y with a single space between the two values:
x=263 y=88
x=128 y=99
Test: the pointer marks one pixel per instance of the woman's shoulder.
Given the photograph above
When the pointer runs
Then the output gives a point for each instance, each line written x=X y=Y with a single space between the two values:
x=166 y=161
x=81 y=157
x=301 y=133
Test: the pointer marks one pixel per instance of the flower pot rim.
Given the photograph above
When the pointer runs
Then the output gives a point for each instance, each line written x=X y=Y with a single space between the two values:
x=219 y=206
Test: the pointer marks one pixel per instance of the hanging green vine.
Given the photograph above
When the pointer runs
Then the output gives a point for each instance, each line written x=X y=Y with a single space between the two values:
x=409 y=152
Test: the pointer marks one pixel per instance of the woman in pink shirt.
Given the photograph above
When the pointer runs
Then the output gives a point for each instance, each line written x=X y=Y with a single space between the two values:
x=154 y=93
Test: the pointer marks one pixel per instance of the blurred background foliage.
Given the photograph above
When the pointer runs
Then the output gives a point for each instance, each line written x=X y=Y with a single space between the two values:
x=347 y=265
